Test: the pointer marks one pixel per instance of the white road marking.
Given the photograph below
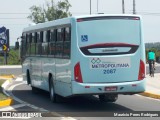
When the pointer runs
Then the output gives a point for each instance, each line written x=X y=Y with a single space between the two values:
x=67 y=118
x=11 y=66
x=19 y=79
x=23 y=103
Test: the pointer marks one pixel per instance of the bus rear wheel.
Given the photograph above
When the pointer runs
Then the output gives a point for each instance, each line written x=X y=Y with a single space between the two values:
x=108 y=97
x=34 y=90
x=53 y=95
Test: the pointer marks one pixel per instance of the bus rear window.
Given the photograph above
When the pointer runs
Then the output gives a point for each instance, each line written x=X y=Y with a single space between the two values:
x=109 y=35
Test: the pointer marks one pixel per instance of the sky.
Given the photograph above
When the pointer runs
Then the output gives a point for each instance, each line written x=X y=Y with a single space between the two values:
x=13 y=14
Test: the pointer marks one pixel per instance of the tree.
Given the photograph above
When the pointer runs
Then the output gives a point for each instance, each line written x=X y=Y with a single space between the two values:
x=50 y=12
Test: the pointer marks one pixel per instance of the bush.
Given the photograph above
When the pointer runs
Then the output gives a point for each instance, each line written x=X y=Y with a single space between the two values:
x=12 y=58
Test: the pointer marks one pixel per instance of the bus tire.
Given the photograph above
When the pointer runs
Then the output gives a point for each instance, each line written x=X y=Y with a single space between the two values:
x=34 y=89
x=108 y=97
x=53 y=95
x=28 y=77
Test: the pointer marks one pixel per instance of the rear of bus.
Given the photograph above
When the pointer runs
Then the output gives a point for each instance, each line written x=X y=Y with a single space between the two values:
x=108 y=56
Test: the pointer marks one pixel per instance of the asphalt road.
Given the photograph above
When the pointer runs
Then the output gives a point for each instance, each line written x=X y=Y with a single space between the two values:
x=14 y=71
x=81 y=106
x=156 y=71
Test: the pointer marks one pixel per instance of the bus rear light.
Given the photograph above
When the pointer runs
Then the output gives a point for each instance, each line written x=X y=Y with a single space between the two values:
x=141 y=74
x=136 y=18
x=134 y=85
x=77 y=73
x=79 y=20
x=87 y=86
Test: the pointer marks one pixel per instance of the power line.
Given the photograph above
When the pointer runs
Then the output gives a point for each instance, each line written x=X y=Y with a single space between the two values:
x=14 y=13
x=13 y=18
x=12 y=24
x=148 y=13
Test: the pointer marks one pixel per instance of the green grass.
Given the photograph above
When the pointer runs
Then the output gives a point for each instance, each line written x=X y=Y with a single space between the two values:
x=2 y=96
x=5 y=74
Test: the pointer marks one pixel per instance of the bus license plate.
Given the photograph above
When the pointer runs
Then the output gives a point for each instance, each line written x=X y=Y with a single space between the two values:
x=112 y=88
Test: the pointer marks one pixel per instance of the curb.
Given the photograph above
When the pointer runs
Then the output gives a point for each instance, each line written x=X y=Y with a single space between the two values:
x=148 y=94
x=9 y=101
x=6 y=102
x=7 y=76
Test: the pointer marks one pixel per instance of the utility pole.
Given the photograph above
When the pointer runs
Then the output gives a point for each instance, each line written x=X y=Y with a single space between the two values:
x=4 y=47
x=134 y=7
x=97 y=6
x=123 y=9
x=90 y=7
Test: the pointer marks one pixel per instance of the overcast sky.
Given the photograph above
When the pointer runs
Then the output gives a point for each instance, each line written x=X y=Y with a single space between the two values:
x=13 y=14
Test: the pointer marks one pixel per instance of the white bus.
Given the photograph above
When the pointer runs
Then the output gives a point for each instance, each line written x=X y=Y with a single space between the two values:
x=96 y=54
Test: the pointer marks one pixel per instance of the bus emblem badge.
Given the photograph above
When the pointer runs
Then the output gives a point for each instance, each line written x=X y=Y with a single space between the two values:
x=96 y=61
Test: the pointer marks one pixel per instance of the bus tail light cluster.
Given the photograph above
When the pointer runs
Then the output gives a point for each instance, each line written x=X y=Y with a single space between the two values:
x=77 y=73
x=79 y=20
x=141 y=74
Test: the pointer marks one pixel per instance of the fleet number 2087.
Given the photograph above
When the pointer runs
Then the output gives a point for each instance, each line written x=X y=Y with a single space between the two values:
x=109 y=71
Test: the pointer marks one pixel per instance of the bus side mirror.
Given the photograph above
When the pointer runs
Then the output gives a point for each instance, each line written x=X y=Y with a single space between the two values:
x=21 y=37
x=16 y=45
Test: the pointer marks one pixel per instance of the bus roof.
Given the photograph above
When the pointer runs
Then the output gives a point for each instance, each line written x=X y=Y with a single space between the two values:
x=68 y=21
x=47 y=24
x=102 y=15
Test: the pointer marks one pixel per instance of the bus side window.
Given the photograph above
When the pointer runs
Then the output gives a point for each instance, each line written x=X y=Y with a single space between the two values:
x=33 y=45
x=45 y=44
x=35 y=41
x=28 y=40
x=68 y=34
x=41 y=36
x=59 y=42
x=52 y=44
x=35 y=37
x=26 y=43
x=38 y=44
x=48 y=36
x=23 y=46
x=67 y=43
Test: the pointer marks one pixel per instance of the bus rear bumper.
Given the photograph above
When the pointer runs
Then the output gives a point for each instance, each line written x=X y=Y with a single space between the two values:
x=104 y=88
